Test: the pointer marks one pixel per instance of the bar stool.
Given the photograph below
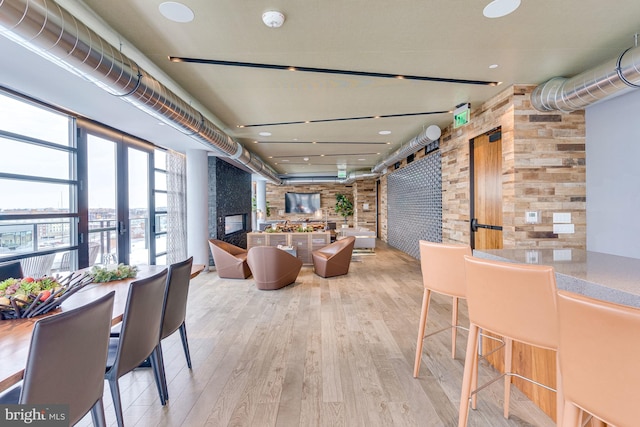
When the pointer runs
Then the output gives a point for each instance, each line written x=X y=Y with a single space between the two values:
x=598 y=354
x=517 y=302
x=442 y=268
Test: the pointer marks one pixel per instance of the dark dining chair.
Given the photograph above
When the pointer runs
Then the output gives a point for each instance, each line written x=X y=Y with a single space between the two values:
x=66 y=361
x=10 y=270
x=175 y=309
x=139 y=337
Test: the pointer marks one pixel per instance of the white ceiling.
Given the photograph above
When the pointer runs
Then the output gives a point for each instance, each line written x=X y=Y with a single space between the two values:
x=436 y=38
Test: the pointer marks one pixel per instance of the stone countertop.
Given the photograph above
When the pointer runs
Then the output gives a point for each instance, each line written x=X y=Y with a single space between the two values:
x=598 y=275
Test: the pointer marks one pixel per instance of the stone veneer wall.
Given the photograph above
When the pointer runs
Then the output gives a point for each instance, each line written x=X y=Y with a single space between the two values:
x=359 y=192
x=229 y=194
x=364 y=195
x=544 y=169
x=382 y=209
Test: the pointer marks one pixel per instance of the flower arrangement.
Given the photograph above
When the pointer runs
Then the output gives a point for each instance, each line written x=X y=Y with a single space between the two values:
x=105 y=274
x=29 y=297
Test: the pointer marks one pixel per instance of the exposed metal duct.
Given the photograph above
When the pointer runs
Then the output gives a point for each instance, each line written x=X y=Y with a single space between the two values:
x=428 y=135
x=353 y=176
x=578 y=92
x=49 y=30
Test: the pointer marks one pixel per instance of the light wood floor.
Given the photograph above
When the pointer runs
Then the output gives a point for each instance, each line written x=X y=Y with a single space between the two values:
x=320 y=352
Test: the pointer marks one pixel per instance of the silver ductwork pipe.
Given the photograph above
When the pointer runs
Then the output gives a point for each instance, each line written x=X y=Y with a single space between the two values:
x=430 y=134
x=310 y=181
x=52 y=32
x=353 y=177
x=576 y=93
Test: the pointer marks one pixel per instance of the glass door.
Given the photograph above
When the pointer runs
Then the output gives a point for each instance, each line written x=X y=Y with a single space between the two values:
x=103 y=217
x=119 y=199
x=138 y=201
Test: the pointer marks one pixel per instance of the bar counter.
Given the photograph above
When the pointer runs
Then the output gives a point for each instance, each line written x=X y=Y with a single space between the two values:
x=598 y=275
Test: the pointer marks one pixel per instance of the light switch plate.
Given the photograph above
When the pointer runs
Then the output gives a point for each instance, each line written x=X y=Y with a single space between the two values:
x=563 y=228
x=562 y=217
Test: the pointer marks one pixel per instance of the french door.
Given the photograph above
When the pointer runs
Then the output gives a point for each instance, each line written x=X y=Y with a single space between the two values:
x=120 y=206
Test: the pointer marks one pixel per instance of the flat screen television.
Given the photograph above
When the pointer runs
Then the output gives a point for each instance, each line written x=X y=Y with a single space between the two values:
x=306 y=203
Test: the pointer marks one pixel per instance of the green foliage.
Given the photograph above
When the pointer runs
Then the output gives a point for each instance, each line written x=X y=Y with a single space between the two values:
x=344 y=206
x=254 y=206
x=102 y=274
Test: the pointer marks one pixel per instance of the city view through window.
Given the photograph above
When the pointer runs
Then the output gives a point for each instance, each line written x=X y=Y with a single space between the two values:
x=40 y=186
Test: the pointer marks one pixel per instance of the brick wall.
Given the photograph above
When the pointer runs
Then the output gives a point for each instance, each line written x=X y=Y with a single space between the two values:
x=360 y=192
x=364 y=193
x=543 y=169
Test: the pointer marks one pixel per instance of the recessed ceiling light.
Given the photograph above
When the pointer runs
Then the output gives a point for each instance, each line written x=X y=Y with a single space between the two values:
x=362 y=160
x=176 y=12
x=493 y=66
x=285 y=160
x=384 y=132
x=306 y=159
x=500 y=8
x=264 y=133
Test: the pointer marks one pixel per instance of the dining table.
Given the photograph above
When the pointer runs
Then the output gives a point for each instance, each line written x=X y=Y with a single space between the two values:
x=15 y=334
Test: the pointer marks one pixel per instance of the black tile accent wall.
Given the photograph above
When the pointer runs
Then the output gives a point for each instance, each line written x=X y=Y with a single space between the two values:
x=414 y=197
x=229 y=194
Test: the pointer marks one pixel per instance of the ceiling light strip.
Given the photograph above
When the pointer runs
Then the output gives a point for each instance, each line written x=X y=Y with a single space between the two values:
x=325 y=155
x=322 y=142
x=329 y=71
x=343 y=119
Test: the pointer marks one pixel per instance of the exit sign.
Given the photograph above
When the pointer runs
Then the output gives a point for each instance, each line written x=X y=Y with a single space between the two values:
x=461 y=115
x=342 y=173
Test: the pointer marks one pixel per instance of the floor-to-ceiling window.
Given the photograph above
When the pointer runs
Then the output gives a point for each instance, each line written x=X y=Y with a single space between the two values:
x=120 y=206
x=74 y=193
x=160 y=197
x=102 y=199
x=38 y=185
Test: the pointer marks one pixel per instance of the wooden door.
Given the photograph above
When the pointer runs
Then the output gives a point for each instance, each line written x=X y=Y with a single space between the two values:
x=486 y=190
x=486 y=214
